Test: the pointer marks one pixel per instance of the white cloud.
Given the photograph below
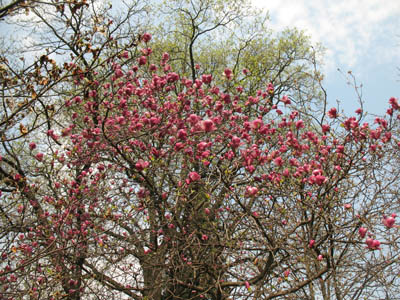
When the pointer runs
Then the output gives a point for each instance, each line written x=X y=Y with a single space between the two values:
x=353 y=31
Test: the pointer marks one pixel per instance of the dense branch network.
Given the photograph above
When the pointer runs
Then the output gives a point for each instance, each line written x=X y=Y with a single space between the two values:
x=124 y=176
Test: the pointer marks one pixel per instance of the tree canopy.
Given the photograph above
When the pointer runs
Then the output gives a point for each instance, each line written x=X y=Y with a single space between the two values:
x=192 y=162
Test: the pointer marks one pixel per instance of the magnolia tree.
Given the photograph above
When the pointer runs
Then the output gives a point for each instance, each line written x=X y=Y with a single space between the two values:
x=155 y=186
x=124 y=178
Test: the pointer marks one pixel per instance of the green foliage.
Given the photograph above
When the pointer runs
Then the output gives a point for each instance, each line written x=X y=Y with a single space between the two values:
x=205 y=37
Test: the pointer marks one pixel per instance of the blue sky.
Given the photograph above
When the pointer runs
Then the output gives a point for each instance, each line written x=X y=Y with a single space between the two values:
x=359 y=35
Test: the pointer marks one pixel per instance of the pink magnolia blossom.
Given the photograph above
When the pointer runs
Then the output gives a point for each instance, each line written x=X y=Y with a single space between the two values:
x=172 y=77
x=142 y=60
x=141 y=165
x=251 y=191
x=388 y=221
x=270 y=88
x=278 y=161
x=182 y=134
x=206 y=79
x=194 y=176
x=153 y=67
x=285 y=99
x=32 y=146
x=286 y=273
x=146 y=37
x=202 y=146
x=235 y=142
x=119 y=73
x=325 y=128
x=362 y=231
x=193 y=119
x=394 y=103
x=142 y=193
x=373 y=244
x=208 y=125
x=228 y=74
x=300 y=124
x=125 y=54
x=332 y=113
x=286 y=172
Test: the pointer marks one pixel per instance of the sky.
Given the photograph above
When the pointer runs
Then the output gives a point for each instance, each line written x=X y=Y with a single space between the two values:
x=361 y=36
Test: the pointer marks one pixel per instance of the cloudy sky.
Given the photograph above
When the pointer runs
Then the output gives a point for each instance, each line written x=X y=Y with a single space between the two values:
x=359 y=35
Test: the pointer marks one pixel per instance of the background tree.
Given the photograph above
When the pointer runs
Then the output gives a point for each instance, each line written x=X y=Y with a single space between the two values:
x=140 y=182
x=207 y=36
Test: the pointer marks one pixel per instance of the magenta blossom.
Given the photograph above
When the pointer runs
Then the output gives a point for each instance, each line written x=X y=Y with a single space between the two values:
x=208 y=125
x=251 y=191
x=146 y=37
x=347 y=206
x=388 y=221
x=32 y=146
x=286 y=273
x=332 y=113
x=228 y=74
x=194 y=176
x=206 y=78
x=373 y=244
x=142 y=60
x=141 y=165
x=285 y=99
x=362 y=231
